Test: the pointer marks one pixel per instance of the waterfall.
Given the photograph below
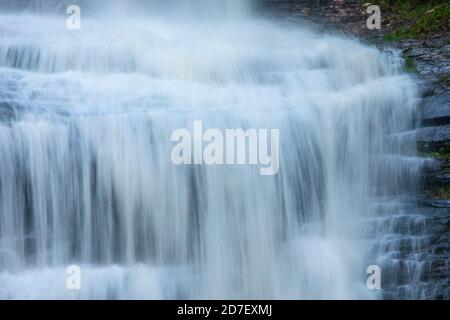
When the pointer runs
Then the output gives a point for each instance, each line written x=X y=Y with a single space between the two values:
x=86 y=178
x=179 y=8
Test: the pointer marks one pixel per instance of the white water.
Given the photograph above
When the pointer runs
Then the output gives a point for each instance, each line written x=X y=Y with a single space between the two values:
x=86 y=176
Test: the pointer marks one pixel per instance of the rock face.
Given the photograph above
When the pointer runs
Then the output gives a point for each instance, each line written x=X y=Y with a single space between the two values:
x=435 y=109
x=415 y=254
x=349 y=14
x=433 y=138
x=433 y=134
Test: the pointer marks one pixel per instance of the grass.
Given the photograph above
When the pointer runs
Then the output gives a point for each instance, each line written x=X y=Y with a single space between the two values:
x=412 y=19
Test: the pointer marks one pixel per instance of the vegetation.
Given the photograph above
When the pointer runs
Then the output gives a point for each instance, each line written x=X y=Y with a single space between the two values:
x=410 y=65
x=442 y=192
x=416 y=18
x=444 y=79
x=439 y=155
x=441 y=151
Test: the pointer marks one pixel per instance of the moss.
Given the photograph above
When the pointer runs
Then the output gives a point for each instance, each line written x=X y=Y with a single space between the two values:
x=442 y=193
x=436 y=155
x=440 y=151
x=416 y=18
x=393 y=37
x=443 y=79
x=410 y=65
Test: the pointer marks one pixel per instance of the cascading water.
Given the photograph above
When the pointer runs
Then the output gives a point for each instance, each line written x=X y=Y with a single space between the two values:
x=86 y=176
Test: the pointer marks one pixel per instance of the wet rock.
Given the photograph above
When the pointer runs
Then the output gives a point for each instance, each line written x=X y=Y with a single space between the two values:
x=439 y=203
x=441 y=250
x=436 y=110
x=427 y=87
x=438 y=268
x=430 y=139
x=441 y=179
x=433 y=134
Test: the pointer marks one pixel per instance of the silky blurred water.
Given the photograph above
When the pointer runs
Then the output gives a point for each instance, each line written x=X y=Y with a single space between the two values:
x=86 y=176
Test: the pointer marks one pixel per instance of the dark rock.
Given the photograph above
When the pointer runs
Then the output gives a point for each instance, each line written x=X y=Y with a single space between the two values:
x=433 y=134
x=439 y=203
x=431 y=139
x=427 y=87
x=436 y=110
x=440 y=180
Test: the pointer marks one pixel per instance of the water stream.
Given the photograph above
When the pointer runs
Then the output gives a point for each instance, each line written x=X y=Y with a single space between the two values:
x=86 y=176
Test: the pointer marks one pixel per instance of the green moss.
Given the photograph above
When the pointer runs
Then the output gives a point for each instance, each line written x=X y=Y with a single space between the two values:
x=394 y=37
x=443 y=79
x=416 y=18
x=435 y=155
x=439 y=150
x=441 y=154
x=442 y=192
x=410 y=65
x=438 y=192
